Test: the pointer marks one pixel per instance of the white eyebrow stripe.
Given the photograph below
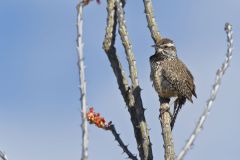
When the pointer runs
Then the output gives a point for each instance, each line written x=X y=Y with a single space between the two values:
x=169 y=44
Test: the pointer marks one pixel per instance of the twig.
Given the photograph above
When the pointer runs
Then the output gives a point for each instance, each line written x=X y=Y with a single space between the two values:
x=127 y=45
x=120 y=142
x=165 y=120
x=132 y=98
x=3 y=156
x=152 y=25
x=100 y=122
x=208 y=107
x=82 y=81
x=135 y=106
x=108 y=46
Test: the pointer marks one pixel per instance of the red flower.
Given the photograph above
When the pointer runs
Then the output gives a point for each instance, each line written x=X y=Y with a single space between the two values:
x=95 y=118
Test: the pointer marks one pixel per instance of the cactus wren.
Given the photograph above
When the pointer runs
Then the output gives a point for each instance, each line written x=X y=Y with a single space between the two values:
x=170 y=76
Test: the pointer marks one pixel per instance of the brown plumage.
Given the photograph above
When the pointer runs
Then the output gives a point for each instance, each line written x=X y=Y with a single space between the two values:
x=170 y=76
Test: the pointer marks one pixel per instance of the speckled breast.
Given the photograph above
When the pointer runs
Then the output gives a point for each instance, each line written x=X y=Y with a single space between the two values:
x=161 y=85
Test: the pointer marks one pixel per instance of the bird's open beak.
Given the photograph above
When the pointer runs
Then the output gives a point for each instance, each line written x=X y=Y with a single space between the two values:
x=153 y=45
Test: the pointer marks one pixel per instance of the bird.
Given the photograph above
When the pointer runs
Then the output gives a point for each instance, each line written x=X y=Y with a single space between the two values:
x=170 y=76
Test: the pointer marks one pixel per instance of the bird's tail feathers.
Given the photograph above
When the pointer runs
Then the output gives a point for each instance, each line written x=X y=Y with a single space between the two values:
x=178 y=103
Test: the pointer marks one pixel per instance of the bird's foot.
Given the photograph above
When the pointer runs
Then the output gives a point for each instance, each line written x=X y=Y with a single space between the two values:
x=164 y=110
x=164 y=100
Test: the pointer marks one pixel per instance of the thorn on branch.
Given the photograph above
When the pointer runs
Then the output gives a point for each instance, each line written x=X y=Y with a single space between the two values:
x=82 y=80
x=133 y=101
x=95 y=118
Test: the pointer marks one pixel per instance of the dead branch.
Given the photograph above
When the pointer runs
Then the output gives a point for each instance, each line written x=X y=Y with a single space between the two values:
x=82 y=81
x=108 y=46
x=120 y=142
x=127 y=45
x=152 y=25
x=131 y=95
x=165 y=120
x=135 y=107
x=214 y=91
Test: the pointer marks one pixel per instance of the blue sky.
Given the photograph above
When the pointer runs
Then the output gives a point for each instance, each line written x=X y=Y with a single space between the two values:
x=39 y=96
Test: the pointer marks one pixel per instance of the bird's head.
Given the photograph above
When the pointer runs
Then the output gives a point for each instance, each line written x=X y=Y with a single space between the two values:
x=166 y=49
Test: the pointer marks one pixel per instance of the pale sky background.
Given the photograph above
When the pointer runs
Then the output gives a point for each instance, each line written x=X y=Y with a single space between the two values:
x=39 y=95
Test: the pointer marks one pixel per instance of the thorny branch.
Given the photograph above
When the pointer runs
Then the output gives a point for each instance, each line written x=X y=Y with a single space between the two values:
x=152 y=25
x=108 y=46
x=131 y=95
x=127 y=45
x=120 y=142
x=82 y=81
x=135 y=107
x=216 y=85
x=165 y=120
x=100 y=122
